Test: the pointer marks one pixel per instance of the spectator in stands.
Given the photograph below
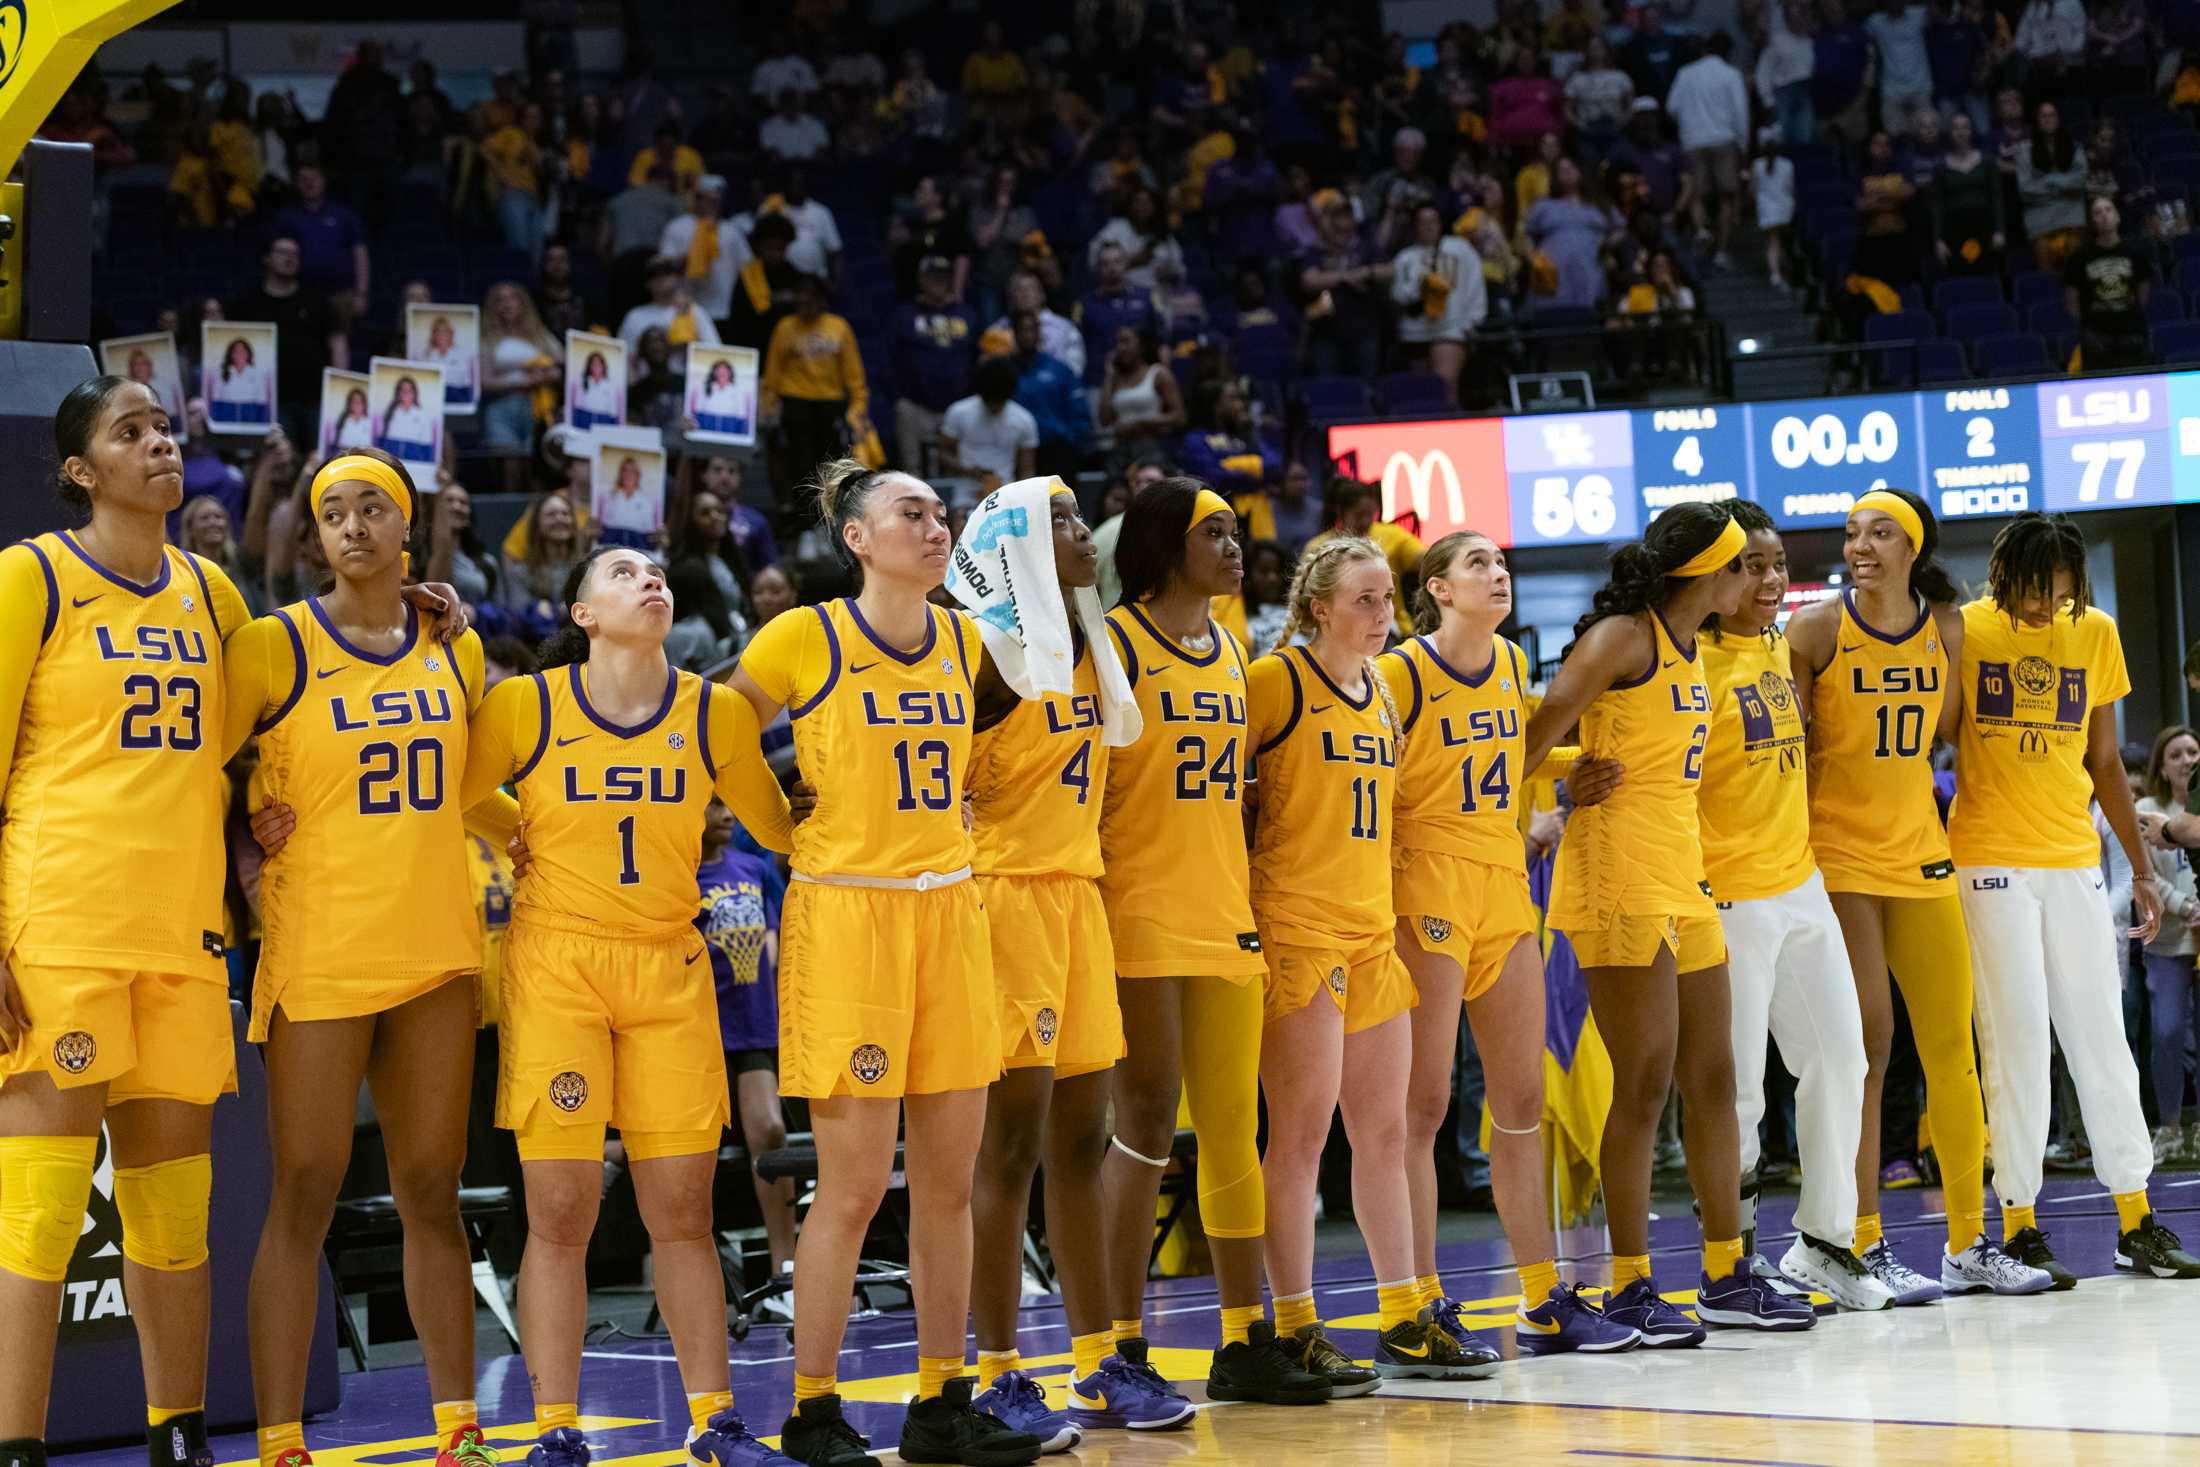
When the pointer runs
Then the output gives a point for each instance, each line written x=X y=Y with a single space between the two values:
x=558 y=297
x=1054 y=396
x=1885 y=249
x=816 y=247
x=813 y=389
x=1905 y=70
x=204 y=528
x=708 y=579
x=1598 y=96
x=1525 y=103
x=710 y=252
x=331 y=241
x=275 y=121
x=2051 y=177
x=2108 y=170
x=928 y=229
x=783 y=70
x=1401 y=188
x=656 y=392
x=1241 y=196
x=916 y=104
x=1291 y=513
x=1059 y=337
x=998 y=223
x=1437 y=284
x=1783 y=72
x=671 y=309
x=360 y=129
x=455 y=552
x=1841 y=59
x=2119 y=54
x=765 y=288
x=935 y=347
x=2106 y=284
x=309 y=335
x=1710 y=106
x=518 y=171
x=749 y=528
x=1142 y=473
x=2051 y=37
x=1772 y=184
x=1573 y=233
x=2169 y=953
x=1139 y=401
x=792 y=134
x=1959 y=55
x=1110 y=306
x=1348 y=283
x=1671 y=187
x=1967 y=205
x=1224 y=448
x=519 y=359
x=1652 y=55
x=677 y=163
x=1920 y=151
x=531 y=583
x=1144 y=233
x=987 y=439
x=993 y=77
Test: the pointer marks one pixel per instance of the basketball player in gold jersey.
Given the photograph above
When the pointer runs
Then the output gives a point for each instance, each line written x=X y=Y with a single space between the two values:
x=1467 y=928
x=362 y=726
x=609 y=1015
x=886 y=996
x=1325 y=731
x=1187 y=955
x=1873 y=674
x=1628 y=893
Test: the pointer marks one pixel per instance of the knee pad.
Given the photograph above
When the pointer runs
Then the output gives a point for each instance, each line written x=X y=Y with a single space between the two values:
x=163 y=1209
x=45 y=1184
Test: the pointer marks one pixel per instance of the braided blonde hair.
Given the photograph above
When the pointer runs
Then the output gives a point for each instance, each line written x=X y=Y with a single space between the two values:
x=1320 y=569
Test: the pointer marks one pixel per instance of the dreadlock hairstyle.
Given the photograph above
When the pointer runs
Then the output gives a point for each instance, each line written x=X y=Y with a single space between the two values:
x=1752 y=518
x=1320 y=570
x=1150 y=550
x=1436 y=563
x=2027 y=552
x=1928 y=577
x=1642 y=574
x=569 y=643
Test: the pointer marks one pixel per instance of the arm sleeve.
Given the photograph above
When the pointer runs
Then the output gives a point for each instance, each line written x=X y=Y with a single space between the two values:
x=1398 y=676
x=775 y=656
x=1269 y=705
x=258 y=666
x=229 y=608
x=23 y=612
x=500 y=737
x=745 y=781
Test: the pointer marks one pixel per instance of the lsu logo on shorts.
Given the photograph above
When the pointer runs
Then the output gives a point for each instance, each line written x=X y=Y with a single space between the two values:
x=74 y=1051
x=867 y=1063
x=1336 y=982
x=1048 y=1022
x=569 y=1090
x=1435 y=929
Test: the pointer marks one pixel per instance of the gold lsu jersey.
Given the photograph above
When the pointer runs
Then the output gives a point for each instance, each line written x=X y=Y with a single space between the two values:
x=1754 y=800
x=1172 y=831
x=1873 y=820
x=368 y=749
x=1328 y=778
x=111 y=853
x=614 y=813
x=1037 y=781
x=1458 y=783
x=1639 y=853
x=882 y=735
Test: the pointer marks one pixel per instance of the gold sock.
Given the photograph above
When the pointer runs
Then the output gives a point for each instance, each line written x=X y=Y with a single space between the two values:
x=1430 y=1286
x=807 y=1386
x=934 y=1372
x=1395 y=1304
x=993 y=1364
x=1964 y=1229
x=1089 y=1350
x=1627 y=1267
x=550 y=1418
x=276 y=1440
x=2132 y=1209
x=451 y=1415
x=2015 y=1220
x=1236 y=1323
x=1126 y=1329
x=1536 y=1282
x=702 y=1405
x=1720 y=1257
x=162 y=1415
x=1295 y=1312
x=1868 y=1232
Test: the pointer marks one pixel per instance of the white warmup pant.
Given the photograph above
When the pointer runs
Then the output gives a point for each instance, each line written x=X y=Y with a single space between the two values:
x=1790 y=974
x=2042 y=950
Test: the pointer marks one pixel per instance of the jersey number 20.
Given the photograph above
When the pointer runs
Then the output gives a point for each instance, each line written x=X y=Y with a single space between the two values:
x=380 y=764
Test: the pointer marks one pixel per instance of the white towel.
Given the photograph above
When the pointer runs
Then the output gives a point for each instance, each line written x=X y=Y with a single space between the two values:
x=1002 y=572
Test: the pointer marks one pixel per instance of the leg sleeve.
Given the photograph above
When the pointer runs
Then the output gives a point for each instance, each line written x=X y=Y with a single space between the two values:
x=1929 y=953
x=1222 y=1085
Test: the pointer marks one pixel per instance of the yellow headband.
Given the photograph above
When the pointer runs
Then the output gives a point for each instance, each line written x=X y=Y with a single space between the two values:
x=1208 y=505
x=354 y=466
x=1895 y=508
x=1717 y=554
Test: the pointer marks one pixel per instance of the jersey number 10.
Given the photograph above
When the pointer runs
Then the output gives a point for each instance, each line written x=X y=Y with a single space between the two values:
x=1901 y=731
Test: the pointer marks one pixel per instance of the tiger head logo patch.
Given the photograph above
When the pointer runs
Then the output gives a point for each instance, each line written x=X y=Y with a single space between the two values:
x=569 y=1090
x=1047 y=1024
x=1336 y=981
x=2035 y=675
x=1435 y=929
x=74 y=1052
x=1775 y=690
x=867 y=1062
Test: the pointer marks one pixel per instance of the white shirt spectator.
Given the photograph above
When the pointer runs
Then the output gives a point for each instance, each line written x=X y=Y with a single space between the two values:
x=714 y=291
x=646 y=315
x=816 y=235
x=1120 y=231
x=2052 y=28
x=1710 y=104
x=1772 y=180
x=1900 y=34
x=800 y=137
x=776 y=74
x=1601 y=98
x=1059 y=338
x=986 y=442
x=1787 y=58
x=1464 y=308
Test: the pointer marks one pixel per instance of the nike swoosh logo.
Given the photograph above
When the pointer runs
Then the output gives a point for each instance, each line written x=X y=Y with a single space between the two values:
x=1438 y=697
x=691 y=961
x=80 y=602
x=1674 y=663
x=1857 y=648
x=1319 y=708
x=573 y=740
x=1418 y=1352
x=1157 y=671
x=857 y=669
x=1537 y=1327
x=330 y=671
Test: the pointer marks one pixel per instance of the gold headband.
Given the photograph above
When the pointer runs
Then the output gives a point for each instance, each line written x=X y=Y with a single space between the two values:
x=354 y=466
x=1895 y=508
x=1716 y=555
x=1207 y=506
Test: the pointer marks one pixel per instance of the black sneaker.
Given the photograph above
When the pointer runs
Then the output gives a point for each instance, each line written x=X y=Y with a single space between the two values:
x=22 y=1451
x=943 y=1428
x=2029 y=1247
x=819 y=1436
x=1261 y=1369
x=180 y=1441
x=2153 y=1249
x=1312 y=1352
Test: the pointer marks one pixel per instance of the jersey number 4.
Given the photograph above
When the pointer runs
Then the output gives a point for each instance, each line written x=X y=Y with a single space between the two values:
x=1194 y=773
x=1077 y=774
x=140 y=721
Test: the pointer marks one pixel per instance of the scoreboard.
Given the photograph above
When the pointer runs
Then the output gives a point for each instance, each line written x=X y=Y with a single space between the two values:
x=1969 y=452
